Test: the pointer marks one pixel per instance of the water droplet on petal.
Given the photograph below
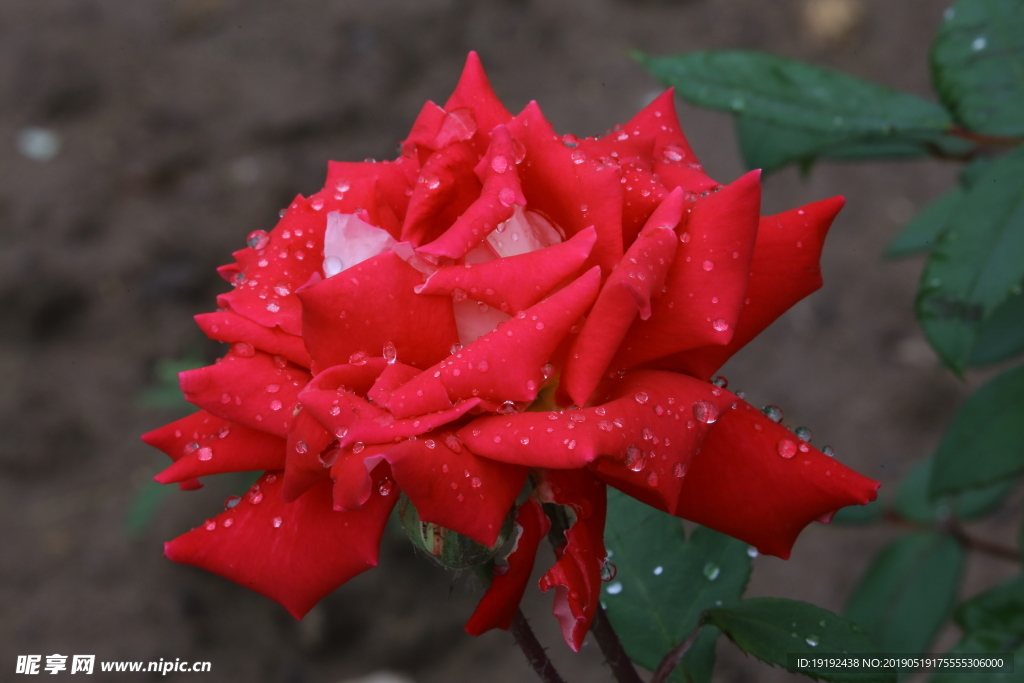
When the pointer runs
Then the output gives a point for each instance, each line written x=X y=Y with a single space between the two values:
x=652 y=479
x=773 y=413
x=803 y=433
x=786 y=448
x=317 y=203
x=258 y=239
x=641 y=397
x=205 y=453
x=499 y=164
x=507 y=196
x=827 y=450
x=706 y=412
x=708 y=265
x=277 y=521
x=752 y=551
x=608 y=570
x=390 y=353
x=679 y=470
x=385 y=486
x=275 y=405
x=720 y=325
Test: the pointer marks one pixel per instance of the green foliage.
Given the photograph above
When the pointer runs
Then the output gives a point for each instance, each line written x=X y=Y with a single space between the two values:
x=908 y=591
x=976 y=264
x=983 y=443
x=773 y=628
x=977 y=62
x=166 y=394
x=914 y=503
x=664 y=582
x=921 y=233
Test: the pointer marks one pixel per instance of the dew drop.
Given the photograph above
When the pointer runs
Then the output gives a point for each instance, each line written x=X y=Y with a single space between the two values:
x=786 y=448
x=652 y=479
x=385 y=487
x=608 y=570
x=711 y=571
x=275 y=405
x=720 y=325
x=707 y=265
x=258 y=239
x=613 y=588
x=658 y=570
x=812 y=641
x=390 y=353
x=277 y=522
x=827 y=450
x=803 y=433
x=752 y=551
x=679 y=470
x=773 y=413
x=705 y=412
x=641 y=397
x=205 y=453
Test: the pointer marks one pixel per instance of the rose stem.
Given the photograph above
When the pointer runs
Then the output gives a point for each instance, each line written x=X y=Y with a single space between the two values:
x=533 y=650
x=611 y=647
x=675 y=656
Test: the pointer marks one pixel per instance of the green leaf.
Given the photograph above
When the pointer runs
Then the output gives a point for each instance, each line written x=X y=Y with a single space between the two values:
x=978 y=65
x=1002 y=335
x=699 y=662
x=922 y=231
x=976 y=264
x=663 y=582
x=908 y=591
x=972 y=171
x=859 y=514
x=772 y=628
x=913 y=502
x=794 y=94
x=769 y=146
x=1000 y=609
x=983 y=442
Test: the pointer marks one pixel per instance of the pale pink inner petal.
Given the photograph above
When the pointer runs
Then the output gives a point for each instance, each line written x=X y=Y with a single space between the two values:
x=350 y=240
x=474 y=319
x=526 y=231
x=481 y=253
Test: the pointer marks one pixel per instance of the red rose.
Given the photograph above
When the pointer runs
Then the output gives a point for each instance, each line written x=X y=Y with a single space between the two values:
x=388 y=335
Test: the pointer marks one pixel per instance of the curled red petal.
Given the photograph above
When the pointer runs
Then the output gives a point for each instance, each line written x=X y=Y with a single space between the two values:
x=576 y=575
x=785 y=485
x=500 y=603
x=257 y=391
x=304 y=463
x=445 y=188
x=515 y=283
x=497 y=171
x=505 y=364
x=280 y=263
x=455 y=489
x=229 y=327
x=391 y=180
x=627 y=292
x=293 y=553
x=569 y=187
x=371 y=305
x=785 y=268
x=391 y=377
x=202 y=444
x=640 y=436
x=707 y=282
x=474 y=92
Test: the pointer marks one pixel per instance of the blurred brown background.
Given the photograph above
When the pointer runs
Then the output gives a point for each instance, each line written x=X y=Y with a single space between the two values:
x=141 y=141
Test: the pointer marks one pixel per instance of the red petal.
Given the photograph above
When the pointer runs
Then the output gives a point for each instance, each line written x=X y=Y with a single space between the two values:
x=256 y=391
x=500 y=603
x=304 y=467
x=391 y=178
x=573 y=195
x=371 y=305
x=708 y=278
x=445 y=188
x=627 y=291
x=505 y=364
x=475 y=93
x=497 y=171
x=293 y=553
x=576 y=576
x=674 y=160
x=784 y=270
x=229 y=327
x=456 y=489
x=202 y=444
x=273 y=272
x=640 y=438
x=774 y=497
x=515 y=283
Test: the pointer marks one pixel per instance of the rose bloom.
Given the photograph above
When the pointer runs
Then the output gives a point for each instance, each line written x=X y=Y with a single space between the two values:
x=499 y=317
